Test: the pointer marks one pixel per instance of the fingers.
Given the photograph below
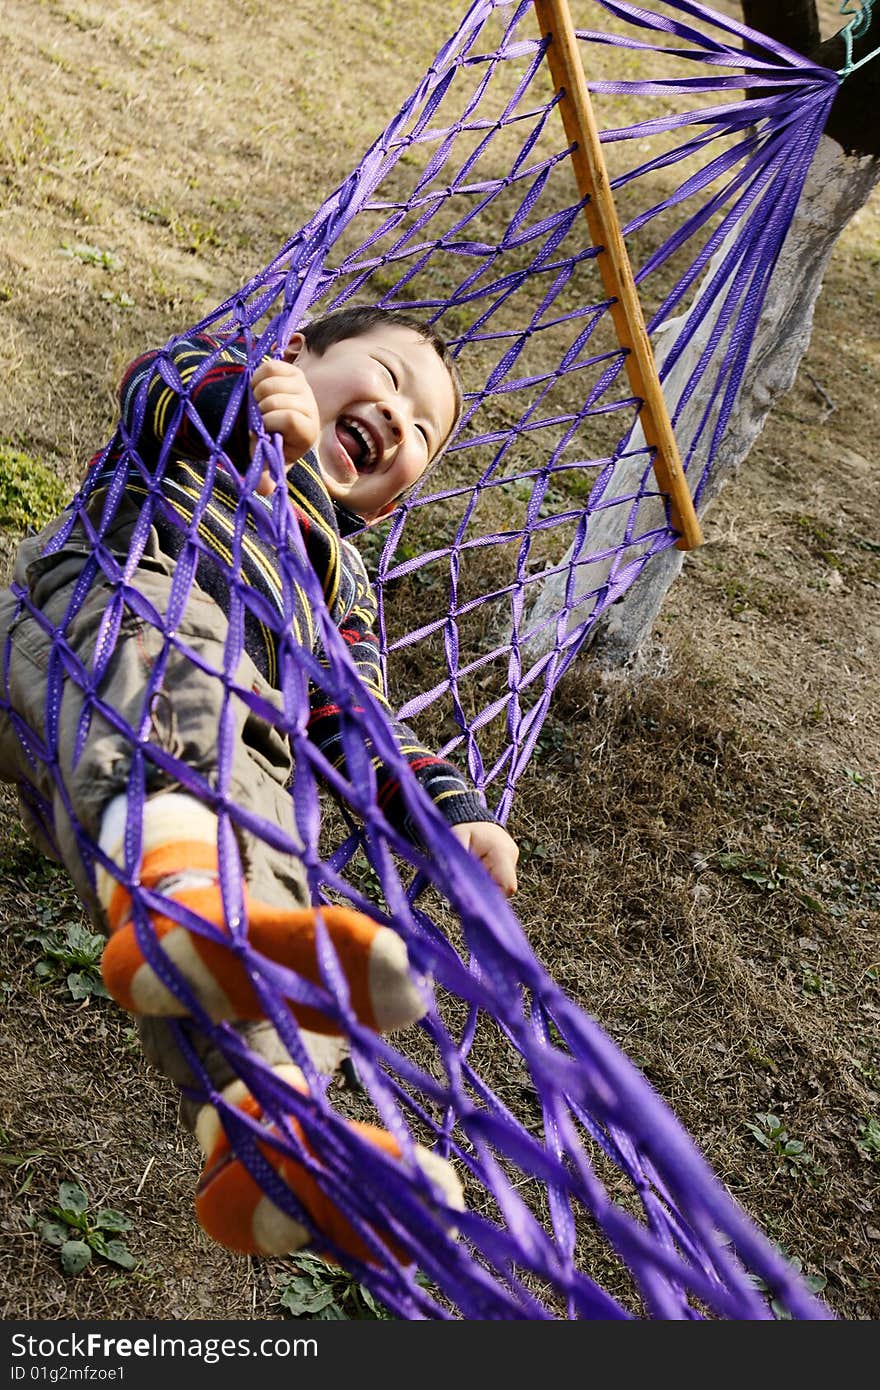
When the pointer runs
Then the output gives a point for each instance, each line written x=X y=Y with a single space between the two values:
x=496 y=850
x=274 y=369
x=502 y=866
x=287 y=404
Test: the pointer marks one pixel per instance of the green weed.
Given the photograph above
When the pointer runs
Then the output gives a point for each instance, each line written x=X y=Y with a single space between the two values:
x=792 y=1155
x=814 y=1282
x=817 y=532
x=859 y=779
x=326 y=1293
x=869 y=1139
x=85 y=22
x=159 y=216
x=119 y=299
x=30 y=493
x=78 y=1235
x=813 y=982
x=196 y=235
x=816 y=713
x=92 y=255
x=71 y=950
x=364 y=877
x=868 y=1072
x=555 y=748
x=13 y=1157
x=770 y=875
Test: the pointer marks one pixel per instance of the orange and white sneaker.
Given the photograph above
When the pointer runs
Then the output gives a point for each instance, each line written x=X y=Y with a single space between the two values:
x=234 y=1211
x=385 y=993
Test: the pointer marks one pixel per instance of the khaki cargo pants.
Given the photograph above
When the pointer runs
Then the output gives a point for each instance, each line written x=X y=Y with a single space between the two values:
x=181 y=717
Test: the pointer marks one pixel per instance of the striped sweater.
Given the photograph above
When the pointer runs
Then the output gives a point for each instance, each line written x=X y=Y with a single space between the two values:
x=184 y=423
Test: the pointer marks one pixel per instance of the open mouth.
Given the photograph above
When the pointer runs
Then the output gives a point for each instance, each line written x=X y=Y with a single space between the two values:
x=358 y=442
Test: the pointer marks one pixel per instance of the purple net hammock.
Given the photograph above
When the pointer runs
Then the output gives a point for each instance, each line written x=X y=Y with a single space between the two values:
x=542 y=513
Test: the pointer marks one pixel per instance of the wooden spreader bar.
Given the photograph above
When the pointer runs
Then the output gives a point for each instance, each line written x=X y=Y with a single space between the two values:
x=613 y=261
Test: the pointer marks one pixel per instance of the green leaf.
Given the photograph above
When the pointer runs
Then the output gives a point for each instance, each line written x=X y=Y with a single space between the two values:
x=814 y=904
x=52 y=1233
x=730 y=861
x=122 y=300
x=81 y=939
x=92 y=255
x=306 y=1299
x=312 y=1266
x=291 y=1294
x=322 y=1298
x=72 y=1198
x=75 y=1255
x=119 y=1254
x=81 y=986
x=376 y=1309
x=71 y=1218
x=30 y=492
x=869 y=1136
x=110 y=1220
x=754 y=876
x=331 y=1313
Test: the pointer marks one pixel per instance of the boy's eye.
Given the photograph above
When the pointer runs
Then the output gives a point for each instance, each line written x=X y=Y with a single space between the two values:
x=391 y=374
x=424 y=434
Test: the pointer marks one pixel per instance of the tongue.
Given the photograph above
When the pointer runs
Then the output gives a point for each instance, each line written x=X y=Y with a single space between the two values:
x=350 y=442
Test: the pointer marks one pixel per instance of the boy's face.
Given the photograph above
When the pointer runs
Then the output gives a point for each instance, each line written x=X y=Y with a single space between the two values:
x=386 y=404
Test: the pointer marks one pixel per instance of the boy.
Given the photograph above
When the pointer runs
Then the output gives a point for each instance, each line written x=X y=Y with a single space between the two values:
x=144 y=638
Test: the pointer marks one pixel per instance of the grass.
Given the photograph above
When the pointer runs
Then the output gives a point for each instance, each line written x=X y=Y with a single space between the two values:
x=700 y=864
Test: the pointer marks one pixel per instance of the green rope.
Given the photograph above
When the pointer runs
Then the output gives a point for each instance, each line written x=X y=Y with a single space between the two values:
x=854 y=30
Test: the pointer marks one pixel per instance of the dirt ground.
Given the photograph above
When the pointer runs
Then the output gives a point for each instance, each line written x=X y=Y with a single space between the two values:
x=709 y=885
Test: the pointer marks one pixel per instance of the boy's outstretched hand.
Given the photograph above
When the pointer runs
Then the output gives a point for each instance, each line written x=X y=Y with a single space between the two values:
x=495 y=849
x=287 y=405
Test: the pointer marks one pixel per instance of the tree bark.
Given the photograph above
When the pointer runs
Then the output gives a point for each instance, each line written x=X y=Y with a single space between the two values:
x=792 y=22
x=844 y=172
x=837 y=187
x=852 y=121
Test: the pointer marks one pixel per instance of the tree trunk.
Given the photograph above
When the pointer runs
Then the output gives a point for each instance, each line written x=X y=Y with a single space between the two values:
x=845 y=170
x=792 y=22
x=836 y=188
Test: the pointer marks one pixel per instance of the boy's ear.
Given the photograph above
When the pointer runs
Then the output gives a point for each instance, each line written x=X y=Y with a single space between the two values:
x=294 y=347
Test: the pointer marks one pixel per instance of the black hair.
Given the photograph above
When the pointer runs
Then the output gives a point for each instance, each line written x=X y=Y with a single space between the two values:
x=339 y=324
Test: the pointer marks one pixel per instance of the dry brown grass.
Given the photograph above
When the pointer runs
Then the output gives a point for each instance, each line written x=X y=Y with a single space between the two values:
x=708 y=882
